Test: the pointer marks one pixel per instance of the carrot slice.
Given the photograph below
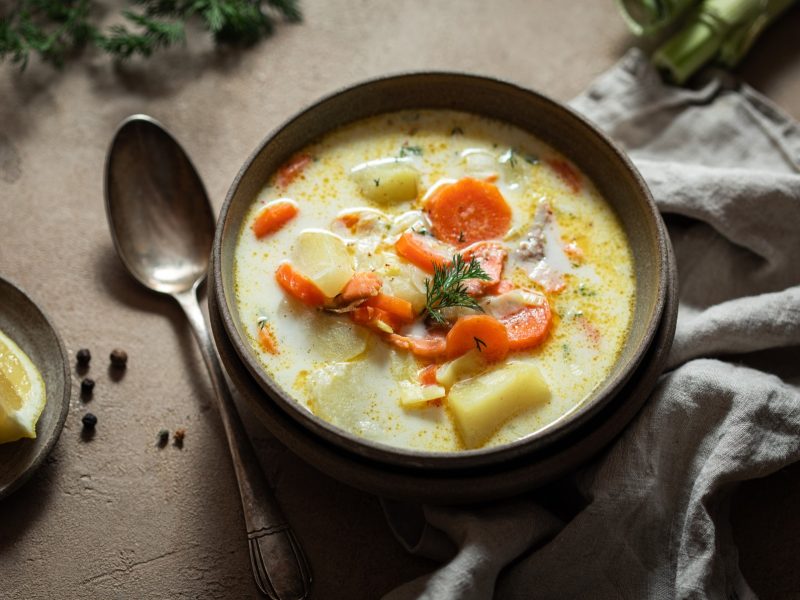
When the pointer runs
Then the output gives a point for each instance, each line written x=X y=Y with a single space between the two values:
x=431 y=347
x=566 y=172
x=363 y=284
x=299 y=286
x=483 y=332
x=274 y=216
x=267 y=339
x=427 y=376
x=468 y=211
x=292 y=168
x=350 y=220
x=491 y=256
x=528 y=327
x=415 y=249
x=398 y=307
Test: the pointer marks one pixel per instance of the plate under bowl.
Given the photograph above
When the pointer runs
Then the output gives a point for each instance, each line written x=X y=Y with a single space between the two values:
x=612 y=173
x=24 y=322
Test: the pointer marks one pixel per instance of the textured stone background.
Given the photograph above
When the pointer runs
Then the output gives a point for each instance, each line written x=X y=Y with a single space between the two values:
x=118 y=517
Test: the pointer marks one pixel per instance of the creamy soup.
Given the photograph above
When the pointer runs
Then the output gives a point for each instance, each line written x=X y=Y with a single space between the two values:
x=434 y=280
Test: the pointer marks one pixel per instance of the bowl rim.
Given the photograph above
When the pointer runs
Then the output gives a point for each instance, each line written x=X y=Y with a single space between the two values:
x=400 y=456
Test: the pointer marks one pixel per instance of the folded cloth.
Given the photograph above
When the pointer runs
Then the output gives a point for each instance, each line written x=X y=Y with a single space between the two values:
x=724 y=167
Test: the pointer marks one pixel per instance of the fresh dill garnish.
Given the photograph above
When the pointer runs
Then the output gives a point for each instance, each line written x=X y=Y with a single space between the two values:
x=585 y=291
x=409 y=150
x=478 y=343
x=56 y=30
x=446 y=287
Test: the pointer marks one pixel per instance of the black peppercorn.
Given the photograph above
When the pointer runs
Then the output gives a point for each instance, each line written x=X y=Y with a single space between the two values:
x=163 y=437
x=119 y=358
x=87 y=385
x=89 y=421
x=83 y=357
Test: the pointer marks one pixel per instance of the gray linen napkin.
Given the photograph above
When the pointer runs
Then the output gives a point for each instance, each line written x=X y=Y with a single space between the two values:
x=724 y=167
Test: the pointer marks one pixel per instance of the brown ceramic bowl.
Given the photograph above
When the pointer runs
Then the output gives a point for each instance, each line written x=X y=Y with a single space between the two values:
x=612 y=173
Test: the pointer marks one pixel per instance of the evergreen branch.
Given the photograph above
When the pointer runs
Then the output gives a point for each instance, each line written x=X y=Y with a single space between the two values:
x=55 y=29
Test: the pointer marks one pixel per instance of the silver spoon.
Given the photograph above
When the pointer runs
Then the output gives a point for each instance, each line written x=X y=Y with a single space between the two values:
x=163 y=227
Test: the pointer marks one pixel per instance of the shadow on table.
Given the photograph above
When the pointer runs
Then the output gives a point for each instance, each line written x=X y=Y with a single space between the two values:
x=29 y=502
x=123 y=288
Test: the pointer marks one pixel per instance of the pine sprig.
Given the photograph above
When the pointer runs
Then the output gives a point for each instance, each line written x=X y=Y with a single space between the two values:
x=447 y=289
x=55 y=29
x=152 y=34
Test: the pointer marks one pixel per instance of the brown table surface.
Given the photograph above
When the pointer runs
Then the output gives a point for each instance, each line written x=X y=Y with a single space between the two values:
x=118 y=517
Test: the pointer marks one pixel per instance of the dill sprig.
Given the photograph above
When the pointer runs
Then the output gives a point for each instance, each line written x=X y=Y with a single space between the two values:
x=58 y=29
x=446 y=287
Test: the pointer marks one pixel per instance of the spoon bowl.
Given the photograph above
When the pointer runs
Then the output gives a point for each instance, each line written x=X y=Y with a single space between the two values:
x=163 y=228
x=158 y=209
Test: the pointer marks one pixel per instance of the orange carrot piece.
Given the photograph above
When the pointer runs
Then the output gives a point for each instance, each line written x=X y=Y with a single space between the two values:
x=416 y=250
x=483 y=332
x=468 y=211
x=363 y=284
x=491 y=256
x=528 y=327
x=350 y=220
x=427 y=376
x=274 y=216
x=292 y=168
x=298 y=286
x=371 y=318
x=398 y=307
x=267 y=339
x=431 y=347
x=566 y=172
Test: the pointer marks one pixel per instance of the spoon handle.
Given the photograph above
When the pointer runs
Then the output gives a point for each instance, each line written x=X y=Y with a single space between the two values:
x=279 y=564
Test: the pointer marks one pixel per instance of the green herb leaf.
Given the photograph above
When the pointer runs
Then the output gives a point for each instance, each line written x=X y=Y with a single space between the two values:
x=409 y=150
x=446 y=287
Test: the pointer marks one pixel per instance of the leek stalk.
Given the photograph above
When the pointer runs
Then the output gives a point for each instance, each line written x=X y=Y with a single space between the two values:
x=722 y=30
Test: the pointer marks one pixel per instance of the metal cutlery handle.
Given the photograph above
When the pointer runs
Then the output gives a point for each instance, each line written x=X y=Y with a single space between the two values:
x=279 y=564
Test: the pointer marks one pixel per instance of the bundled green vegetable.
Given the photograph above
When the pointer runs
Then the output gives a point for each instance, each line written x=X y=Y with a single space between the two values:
x=722 y=30
x=56 y=29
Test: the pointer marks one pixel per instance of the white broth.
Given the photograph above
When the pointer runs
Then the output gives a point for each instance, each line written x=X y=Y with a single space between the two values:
x=342 y=352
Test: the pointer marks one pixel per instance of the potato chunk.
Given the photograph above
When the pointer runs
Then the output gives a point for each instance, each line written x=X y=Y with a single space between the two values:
x=464 y=366
x=338 y=339
x=323 y=258
x=480 y=405
x=339 y=395
x=414 y=395
x=387 y=181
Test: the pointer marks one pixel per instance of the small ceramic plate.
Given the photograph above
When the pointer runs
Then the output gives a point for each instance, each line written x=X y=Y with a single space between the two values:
x=27 y=325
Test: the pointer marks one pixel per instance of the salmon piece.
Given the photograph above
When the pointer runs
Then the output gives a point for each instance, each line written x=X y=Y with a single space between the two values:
x=362 y=285
x=492 y=257
x=425 y=347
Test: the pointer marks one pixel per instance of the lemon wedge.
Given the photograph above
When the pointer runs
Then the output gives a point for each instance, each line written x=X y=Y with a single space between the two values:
x=22 y=392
